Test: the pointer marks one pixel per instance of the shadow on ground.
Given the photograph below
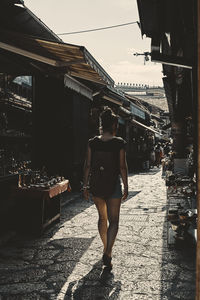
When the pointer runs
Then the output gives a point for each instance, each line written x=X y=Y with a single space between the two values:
x=97 y=285
x=38 y=269
x=178 y=270
x=42 y=272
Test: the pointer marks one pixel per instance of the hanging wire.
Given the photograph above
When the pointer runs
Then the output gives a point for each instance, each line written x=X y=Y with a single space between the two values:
x=101 y=28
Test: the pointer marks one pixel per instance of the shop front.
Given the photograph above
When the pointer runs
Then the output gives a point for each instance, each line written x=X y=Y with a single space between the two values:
x=143 y=142
x=172 y=27
x=52 y=128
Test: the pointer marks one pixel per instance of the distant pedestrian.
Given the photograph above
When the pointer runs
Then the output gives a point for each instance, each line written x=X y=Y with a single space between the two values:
x=158 y=154
x=152 y=157
x=166 y=148
x=105 y=162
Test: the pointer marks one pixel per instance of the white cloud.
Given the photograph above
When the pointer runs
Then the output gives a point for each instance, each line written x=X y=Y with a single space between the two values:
x=124 y=71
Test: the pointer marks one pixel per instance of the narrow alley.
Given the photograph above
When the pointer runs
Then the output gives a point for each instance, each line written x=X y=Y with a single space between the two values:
x=65 y=263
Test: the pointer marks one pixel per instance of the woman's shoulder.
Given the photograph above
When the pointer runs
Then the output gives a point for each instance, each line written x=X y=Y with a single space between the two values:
x=92 y=141
x=116 y=142
x=119 y=138
x=120 y=141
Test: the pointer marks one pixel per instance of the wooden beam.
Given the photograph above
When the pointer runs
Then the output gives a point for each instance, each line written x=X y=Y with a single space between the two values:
x=87 y=77
x=43 y=59
x=170 y=60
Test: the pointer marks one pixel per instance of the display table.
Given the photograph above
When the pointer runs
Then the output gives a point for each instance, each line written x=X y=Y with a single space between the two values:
x=181 y=225
x=38 y=207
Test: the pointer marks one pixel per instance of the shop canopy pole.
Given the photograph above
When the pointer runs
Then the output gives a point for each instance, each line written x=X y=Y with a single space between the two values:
x=198 y=162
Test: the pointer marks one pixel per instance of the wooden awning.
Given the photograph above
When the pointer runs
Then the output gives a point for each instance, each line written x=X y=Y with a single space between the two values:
x=44 y=55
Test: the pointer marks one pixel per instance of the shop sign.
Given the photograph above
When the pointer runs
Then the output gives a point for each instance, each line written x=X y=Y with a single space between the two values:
x=137 y=112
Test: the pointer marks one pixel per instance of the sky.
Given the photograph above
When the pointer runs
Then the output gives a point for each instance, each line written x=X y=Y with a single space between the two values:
x=112 y=48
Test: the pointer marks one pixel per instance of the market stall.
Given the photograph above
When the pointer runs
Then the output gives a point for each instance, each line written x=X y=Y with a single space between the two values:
x=38 y=201
x=181 y=197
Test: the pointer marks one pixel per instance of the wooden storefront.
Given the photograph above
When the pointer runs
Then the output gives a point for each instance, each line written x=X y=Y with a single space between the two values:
x=59 y=113
x=173 y=27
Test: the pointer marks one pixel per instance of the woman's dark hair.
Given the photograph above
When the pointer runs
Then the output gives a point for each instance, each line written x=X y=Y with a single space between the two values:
x=108 y=119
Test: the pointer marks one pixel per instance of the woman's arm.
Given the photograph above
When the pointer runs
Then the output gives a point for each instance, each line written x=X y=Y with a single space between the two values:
x=124 y=172
x=86 y=172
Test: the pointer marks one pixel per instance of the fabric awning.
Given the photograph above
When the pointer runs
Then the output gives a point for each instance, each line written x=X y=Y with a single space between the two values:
x=144 y=126
x=111 y=94
x=78 y=87
x=66 y=58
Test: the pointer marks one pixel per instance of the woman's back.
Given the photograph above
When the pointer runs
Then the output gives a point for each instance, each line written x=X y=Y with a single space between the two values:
x=114 y=144
x=104 y=165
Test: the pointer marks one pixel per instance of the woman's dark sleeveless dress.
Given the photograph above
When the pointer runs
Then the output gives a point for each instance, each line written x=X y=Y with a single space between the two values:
x=114 y=146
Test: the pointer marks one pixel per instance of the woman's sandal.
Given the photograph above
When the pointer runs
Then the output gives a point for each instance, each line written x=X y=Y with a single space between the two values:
x=107 y=261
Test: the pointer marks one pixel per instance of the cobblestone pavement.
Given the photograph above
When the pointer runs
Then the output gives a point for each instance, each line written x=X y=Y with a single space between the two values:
x=65 y=263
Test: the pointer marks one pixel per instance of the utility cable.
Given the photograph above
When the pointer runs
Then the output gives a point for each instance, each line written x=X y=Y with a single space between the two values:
x=101 y=28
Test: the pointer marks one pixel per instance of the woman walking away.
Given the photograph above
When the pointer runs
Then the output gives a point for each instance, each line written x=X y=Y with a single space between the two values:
x=105 y=162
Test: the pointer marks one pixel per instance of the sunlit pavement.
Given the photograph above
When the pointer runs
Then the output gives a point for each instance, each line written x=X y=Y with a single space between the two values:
x=66 y=262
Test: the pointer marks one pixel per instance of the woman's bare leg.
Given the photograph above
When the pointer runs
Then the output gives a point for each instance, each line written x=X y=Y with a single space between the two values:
x=113 y=209
x=103 y=219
